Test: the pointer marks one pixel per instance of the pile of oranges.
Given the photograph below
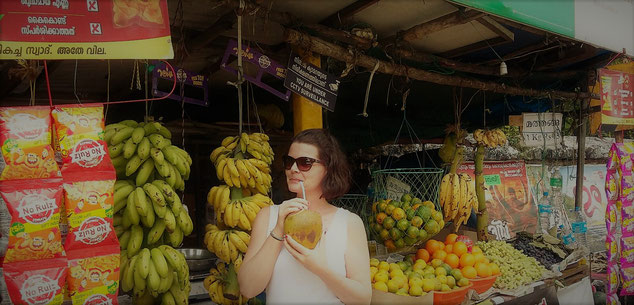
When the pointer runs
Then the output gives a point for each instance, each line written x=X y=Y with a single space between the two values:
x=471 y=262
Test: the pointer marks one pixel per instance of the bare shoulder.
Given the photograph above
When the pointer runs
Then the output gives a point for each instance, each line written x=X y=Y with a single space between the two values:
x=354 y=221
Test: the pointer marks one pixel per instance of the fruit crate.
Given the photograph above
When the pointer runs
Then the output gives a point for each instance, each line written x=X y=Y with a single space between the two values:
x=423 y=183
x=355 y=203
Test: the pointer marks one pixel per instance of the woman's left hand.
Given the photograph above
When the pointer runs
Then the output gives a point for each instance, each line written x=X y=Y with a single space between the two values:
x=314 y=260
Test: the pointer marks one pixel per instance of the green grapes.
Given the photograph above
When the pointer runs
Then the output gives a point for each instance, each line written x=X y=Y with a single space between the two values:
x=516 y=268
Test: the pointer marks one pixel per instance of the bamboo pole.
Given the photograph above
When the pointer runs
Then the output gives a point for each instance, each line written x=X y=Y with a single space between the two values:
x=337 y=52
x=483 y=216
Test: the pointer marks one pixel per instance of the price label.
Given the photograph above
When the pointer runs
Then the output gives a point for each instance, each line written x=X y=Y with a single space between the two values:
x=492 y=180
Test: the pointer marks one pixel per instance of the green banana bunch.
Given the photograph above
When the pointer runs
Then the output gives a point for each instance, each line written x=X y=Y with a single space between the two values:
x=157 y=274
x=144 y=152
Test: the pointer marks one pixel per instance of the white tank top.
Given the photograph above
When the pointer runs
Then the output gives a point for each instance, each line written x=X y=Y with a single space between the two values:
x=292 y=283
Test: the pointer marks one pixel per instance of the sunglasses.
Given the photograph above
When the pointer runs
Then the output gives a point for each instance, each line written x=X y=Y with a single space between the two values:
x=304 y=164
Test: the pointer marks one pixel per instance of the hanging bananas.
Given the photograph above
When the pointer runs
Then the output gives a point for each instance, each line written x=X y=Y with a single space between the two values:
x=490 y=138
x=154 y=206
x=457 y=198
x=157 y=275
x=144 y=152
x=232 y=209
x=229 y=245
x=243 y=161
x=222 y=285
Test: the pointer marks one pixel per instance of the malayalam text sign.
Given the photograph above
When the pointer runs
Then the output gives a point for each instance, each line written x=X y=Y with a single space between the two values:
x=90 y=29
x=617 y=101
x=541 y=129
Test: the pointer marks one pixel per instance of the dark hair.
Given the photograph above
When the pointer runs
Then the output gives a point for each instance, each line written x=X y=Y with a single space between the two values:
x=337 y=180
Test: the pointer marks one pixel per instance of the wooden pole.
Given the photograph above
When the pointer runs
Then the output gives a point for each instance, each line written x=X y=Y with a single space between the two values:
x=581 y=151
x=482 y=221
x=337 y=52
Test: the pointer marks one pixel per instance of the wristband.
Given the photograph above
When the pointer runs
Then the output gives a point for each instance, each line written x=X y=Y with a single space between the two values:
x=275 y=237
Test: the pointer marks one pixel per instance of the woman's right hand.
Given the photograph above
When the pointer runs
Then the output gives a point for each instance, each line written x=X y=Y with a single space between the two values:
x=286 y=208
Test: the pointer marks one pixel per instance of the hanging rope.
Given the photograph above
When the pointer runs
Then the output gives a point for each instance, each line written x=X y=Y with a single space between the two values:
x=75 y=83
x=240 y=80
x=107 y=91
x=367 y=90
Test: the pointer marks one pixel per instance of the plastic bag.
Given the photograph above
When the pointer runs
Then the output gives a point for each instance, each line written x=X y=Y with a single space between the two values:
x=36 y=283
x=25 y=138
x=93 y=275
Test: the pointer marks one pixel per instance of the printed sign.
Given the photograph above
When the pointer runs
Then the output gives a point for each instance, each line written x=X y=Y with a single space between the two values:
x=542 y=129
x=617 y=100
x=396 y=188
x=91 y=29
x=261 y=62
x=508 y=197
x=312 y=82
x=192 y=85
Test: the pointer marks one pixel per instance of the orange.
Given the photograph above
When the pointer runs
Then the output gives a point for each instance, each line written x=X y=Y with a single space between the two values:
x=467 y=260
x=422 y=254
x=451 y=239
x=449 y=248
x=440 y=254
x=483 y=269
x=452 y=260
x=479 y=257
x=389 y=244
x=475 y=250
x=469 y=272
x=398 y=214
x=459 y=248
x=380 y=217
x=433 y=246
x=495 y=270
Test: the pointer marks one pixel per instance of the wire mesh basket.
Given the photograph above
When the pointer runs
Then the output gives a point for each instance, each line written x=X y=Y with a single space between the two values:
x=423 y=183
x=355 y=203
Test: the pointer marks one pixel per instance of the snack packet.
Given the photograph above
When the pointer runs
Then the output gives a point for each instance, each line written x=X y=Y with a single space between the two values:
x=25 y=139
x=627 y=248
x=88 y=206
x=612 y=185
x=613 y=247
x=93 y=275
x=612 y=299
x=36 y=283
x=79 y=130
x=627 y=216
x=627 y=279
x=35 y=214
x=611 y=217
x=612 y=283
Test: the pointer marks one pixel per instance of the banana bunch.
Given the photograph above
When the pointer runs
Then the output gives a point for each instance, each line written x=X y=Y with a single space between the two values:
x=229 y=245
x=244 y=162
x=155 y=273
x=490 y=138
x=457 y=198
x=154 y=206
x=144 y=152
x=222 y=285
x=232 y=209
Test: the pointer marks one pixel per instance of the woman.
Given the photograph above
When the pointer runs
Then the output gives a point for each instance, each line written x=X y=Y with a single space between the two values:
x=338 y=269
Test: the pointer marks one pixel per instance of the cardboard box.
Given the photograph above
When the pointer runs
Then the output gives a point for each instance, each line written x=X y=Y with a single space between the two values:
x=387 y=298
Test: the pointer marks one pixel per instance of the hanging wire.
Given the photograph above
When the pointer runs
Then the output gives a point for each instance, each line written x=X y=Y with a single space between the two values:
x=75 y=83
x=107 y=90
x=147 y=113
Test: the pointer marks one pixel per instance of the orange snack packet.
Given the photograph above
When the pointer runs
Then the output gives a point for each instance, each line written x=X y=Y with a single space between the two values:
x=25 y=139
x=40 y=282
x=35 y=214
x=79 y=130
x=93 y=275
x=89 y=206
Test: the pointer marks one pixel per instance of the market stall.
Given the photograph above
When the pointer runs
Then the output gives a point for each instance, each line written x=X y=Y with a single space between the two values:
x=140 y=139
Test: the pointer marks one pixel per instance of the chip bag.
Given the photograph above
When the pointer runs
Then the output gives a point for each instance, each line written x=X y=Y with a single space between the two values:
x=93 y=275
x=627 y=279
x=25 y=139
x=35 y=214
x=88 y=206
x=612 y=282
x=38 y=282
x=79 y=130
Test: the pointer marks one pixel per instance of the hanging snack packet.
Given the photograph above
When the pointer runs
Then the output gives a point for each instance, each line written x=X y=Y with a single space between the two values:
x=35 y=214
x=611 y=217
x=627 y=248
x=38 y=282
x=612 y=283
x=627 y=279
x=612 y=185
x=80 y=133
x=612 y=299
x=613 y=247
x=88 y=206
x=25 y=139
x=93 y=275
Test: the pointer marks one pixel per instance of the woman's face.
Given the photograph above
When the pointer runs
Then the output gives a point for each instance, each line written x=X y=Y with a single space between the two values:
x=312 y=178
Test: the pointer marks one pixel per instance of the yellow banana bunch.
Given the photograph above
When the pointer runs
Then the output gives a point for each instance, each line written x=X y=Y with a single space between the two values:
x=144 y=151
x=155 y=273
x=457 y=198
x=236 y=207
x=228 y=245
x=490 y=138
x=221 y=285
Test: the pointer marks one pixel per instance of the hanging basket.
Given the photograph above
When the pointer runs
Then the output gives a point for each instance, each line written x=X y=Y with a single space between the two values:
x=423 y=183
x=355 y=203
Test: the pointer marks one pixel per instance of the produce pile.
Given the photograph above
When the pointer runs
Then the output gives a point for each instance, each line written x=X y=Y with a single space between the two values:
x=516 y=268
x=542 y=254
x=150 y=220
x=243 y=164
x=404 y=223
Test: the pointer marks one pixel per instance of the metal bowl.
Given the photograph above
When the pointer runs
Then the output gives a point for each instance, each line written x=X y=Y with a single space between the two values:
x=198 y=259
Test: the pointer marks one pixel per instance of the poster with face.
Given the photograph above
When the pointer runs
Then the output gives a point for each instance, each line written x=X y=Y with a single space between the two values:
x=509 y=200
